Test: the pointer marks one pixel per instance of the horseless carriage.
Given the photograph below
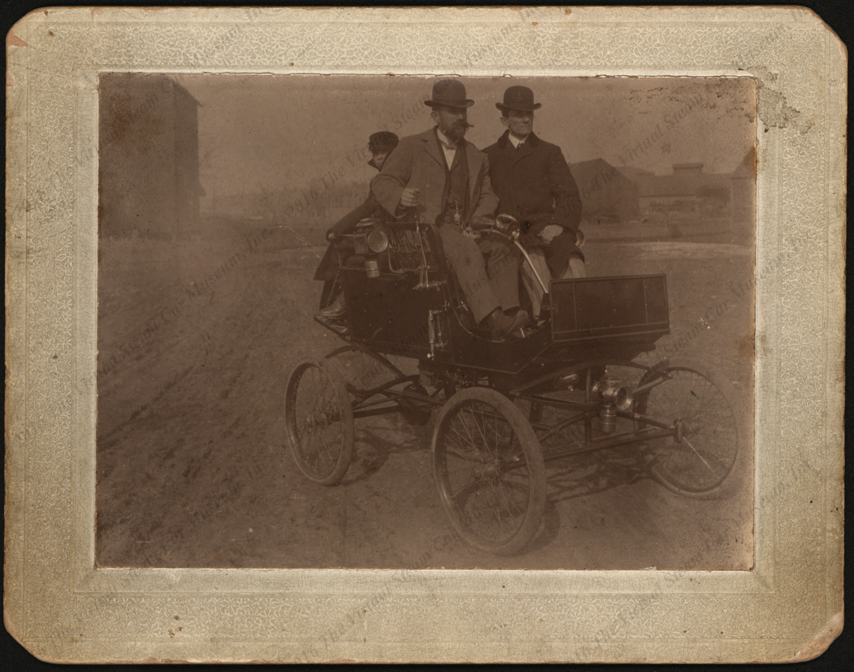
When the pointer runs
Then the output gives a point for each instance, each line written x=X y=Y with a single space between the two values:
x=507 y=409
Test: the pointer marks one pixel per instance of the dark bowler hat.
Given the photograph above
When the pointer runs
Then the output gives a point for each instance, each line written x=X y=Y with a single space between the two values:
x=519 y=98
x=382 y=141
x=449 y=92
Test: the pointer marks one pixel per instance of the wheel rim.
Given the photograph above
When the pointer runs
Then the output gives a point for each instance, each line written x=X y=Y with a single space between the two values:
x=707 y=424
x=484 y=477
x=317 y=422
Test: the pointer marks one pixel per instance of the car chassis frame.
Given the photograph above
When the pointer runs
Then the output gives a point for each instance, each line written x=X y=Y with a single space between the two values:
x=506 y=409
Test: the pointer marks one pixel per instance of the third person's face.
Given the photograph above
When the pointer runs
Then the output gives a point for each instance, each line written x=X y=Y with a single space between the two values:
x=379 y=159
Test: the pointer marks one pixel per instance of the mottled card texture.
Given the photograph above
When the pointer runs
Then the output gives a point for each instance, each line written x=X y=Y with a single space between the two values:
x=171 y=175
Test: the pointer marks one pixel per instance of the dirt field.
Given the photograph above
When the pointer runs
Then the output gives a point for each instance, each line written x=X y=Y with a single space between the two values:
x=196 y=341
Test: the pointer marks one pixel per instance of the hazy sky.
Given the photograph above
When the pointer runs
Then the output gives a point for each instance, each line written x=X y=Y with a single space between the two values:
x=289 y=131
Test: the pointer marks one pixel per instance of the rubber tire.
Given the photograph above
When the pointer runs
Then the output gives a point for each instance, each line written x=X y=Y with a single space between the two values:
x=347 y=438
x=531 y=452
x=664 y=471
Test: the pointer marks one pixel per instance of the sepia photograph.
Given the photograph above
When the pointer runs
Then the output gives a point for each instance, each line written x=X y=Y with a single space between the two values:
x=390 y=322
x=439 y=335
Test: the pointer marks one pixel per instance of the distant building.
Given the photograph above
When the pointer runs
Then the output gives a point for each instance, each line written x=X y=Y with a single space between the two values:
x=148 y=157
x=688 y=189
x=687 y=170
x=636 y=175
x=606 y=193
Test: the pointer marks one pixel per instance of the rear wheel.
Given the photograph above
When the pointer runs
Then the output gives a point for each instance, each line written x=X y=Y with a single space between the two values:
x=698 y=459
x=488 y=468
x=319 y=421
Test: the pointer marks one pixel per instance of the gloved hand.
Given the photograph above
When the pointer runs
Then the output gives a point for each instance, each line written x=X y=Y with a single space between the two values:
x=550 y=232
x=471 y=233
x=409 y=197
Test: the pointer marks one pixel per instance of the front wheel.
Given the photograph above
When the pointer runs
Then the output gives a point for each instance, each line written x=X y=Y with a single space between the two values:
x=703 y=451
x=488 y=468
x=319 y=421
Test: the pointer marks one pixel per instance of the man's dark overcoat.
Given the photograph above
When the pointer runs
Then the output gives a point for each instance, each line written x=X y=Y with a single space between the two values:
x=534 y=184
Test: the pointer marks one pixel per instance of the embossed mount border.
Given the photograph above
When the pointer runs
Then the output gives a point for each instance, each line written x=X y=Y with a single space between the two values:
x=63 y=609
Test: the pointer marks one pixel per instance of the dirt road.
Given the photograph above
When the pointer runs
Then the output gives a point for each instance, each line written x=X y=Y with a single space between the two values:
x=196 y=341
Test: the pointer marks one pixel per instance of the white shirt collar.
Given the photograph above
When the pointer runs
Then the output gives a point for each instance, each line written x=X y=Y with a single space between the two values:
x=516 y=141
x=449 y=152
x=446 y=140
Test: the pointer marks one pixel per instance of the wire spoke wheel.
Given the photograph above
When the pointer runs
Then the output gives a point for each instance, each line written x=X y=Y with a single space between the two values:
x=697 y=460
x=488 y=467
x=319 y=421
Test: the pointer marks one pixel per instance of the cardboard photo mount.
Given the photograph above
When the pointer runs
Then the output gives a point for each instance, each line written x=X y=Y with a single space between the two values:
x=64 y=609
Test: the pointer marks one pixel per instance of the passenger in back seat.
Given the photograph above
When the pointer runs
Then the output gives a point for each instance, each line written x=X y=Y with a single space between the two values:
x=332 y=298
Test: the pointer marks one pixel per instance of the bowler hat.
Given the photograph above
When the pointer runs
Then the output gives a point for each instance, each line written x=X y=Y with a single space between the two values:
x=449 y=92
x=382 y=140
x=519 y=98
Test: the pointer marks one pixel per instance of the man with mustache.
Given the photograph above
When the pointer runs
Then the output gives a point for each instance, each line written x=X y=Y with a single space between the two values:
x=441 y=178
x=533 y=183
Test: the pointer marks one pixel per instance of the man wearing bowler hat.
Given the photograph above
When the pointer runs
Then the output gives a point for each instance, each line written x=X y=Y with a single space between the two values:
x=534 y=184
x=441 y=178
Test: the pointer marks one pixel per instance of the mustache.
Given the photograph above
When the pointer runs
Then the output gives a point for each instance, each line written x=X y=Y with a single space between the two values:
x=464 y=124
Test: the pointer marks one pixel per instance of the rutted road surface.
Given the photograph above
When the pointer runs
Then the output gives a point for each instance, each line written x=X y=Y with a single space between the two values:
x=196 y=341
